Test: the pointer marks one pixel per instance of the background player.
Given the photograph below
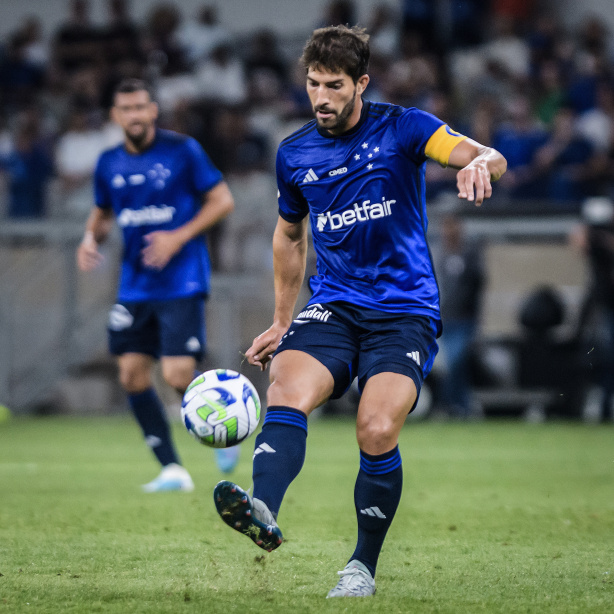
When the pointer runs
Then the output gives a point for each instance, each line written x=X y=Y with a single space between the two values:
x=164 y=193
x=357 y=173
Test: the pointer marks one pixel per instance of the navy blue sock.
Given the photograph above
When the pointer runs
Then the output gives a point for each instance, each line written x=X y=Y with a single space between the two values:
x=376 y=495
x=279 y=454
x=149 y=413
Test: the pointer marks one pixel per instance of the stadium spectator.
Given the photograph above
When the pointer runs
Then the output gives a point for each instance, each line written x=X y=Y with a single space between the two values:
x=374 y=311
x=200 y=36
x=165 y=55
x=595 y=238
x=77 y=152
x=77 y=43
x=518 y=139
x=20 y=77
x=164 y=193
x=220 y=79
x=461 y=277
x=121 y=36
x=27 y=162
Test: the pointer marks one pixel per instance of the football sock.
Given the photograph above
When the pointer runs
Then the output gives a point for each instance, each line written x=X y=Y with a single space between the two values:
x=279 y=454
x=149 y=413
x=376 y=496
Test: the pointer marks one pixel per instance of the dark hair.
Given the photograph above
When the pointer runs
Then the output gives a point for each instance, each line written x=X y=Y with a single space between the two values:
x=128 y=86
x=338 y=49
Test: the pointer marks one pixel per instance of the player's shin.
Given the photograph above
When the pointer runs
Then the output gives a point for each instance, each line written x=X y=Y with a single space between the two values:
x=376 y=496
x=149 y=413
x=279 y=454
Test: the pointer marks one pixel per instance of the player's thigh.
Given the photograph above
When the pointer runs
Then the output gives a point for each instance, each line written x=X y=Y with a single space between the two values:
x=386 y=400
x=181 y=323
x=133 y=328
x=135 y=371
x=299 y=381
x=178 y=371
x=324 y=345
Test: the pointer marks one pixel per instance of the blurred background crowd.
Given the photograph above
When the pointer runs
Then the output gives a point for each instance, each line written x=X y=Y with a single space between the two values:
x=507 y=72
x=513 y=74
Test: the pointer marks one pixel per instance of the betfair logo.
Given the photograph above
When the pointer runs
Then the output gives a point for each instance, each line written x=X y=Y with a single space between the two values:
x=355 y=214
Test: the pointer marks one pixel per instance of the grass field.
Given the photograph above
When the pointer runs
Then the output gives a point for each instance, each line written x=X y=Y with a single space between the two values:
x=495 y=517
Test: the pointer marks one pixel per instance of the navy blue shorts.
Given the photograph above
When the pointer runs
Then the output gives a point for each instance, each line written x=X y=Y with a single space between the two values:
x=352 y=341
x=158 y=328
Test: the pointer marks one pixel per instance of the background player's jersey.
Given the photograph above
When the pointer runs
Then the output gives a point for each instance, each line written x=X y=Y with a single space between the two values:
x=365 y=193
x=158 y=189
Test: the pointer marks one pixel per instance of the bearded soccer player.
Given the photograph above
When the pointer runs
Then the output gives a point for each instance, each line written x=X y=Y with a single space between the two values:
x=165 y=194
x=356 y=172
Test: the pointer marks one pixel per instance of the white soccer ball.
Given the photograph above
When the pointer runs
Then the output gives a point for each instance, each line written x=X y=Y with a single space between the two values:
x=220 y=408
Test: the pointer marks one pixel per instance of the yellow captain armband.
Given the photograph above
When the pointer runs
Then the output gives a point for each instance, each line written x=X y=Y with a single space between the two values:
x=442 y=142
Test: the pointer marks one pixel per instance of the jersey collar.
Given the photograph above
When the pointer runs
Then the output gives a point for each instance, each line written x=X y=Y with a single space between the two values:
x=363 y=116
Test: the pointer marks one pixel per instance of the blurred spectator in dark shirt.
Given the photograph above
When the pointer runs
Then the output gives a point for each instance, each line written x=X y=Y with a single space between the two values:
x=164 y=51
x=77 y=42
x=460 y=273
x=264 y=57
x=563 y=165
x=121 y=36
x=518 y=139
x=29 y=167
x=20 y=78
x=595 y=237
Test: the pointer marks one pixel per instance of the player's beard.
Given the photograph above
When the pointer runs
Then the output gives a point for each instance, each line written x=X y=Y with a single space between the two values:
x=340 y=119
x=138 y=139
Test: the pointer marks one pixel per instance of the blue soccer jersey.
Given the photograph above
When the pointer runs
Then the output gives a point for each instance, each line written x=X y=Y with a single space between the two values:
x=365 y=193
x=158 y=189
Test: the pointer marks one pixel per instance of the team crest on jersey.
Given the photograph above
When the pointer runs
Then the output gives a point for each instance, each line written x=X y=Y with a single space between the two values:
x=159 y=174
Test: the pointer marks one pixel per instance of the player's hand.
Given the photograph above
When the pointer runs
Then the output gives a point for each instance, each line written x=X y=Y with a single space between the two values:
x=88 y=256
x=160 y=247
x=473 y=182
x=264 y=346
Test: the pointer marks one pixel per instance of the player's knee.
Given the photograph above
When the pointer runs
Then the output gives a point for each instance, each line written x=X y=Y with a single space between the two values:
x=134 y=381
x=376 y=434
x=178 y=378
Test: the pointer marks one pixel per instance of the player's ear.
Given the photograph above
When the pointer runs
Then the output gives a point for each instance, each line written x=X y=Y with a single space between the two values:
x=361 y=84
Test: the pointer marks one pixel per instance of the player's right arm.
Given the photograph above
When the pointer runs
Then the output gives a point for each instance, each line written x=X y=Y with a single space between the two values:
x=289 y=261
x=97 y=228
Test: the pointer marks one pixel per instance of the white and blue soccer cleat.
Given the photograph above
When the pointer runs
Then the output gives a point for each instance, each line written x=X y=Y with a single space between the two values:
x=172 y=477
x=246 y=515
x=226 y=459
x=355 y=581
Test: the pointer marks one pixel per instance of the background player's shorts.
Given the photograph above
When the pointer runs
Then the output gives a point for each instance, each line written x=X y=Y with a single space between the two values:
x=352 y=341
x=159 y=328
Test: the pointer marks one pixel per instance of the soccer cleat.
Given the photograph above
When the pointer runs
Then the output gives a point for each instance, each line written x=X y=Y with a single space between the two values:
x=246 y=515
x=226 y=459
x=355 y=581
x=172 y=477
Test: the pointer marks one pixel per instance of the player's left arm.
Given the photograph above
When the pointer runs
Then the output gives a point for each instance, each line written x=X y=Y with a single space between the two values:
x=162 y=245
x=479 y=166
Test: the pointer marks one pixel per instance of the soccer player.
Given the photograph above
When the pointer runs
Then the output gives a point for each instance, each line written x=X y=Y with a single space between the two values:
x=164 y=193
x=357 y=173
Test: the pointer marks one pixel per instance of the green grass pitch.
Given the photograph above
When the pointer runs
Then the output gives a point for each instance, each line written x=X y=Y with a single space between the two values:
x=495 y=517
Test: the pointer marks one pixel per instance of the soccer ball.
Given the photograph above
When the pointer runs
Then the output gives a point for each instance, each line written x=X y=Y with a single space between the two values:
x=220 y=408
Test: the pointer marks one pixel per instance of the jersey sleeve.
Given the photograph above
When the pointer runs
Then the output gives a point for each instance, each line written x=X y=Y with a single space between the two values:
x=205 y=175
x=426 y=136
x=292 y=205
x=102 y=197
